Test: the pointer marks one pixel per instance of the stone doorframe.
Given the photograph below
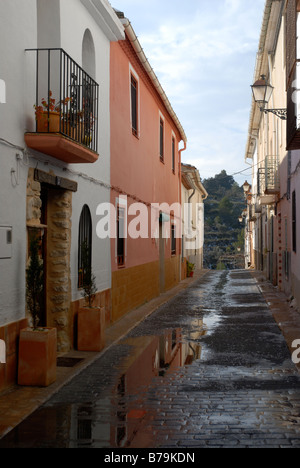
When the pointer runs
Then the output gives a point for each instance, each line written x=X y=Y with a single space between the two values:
x=58 y=247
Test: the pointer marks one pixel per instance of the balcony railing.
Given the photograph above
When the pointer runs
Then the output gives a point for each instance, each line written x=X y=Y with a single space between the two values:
x=268 y=177
x=66 y=105
x=272 y=175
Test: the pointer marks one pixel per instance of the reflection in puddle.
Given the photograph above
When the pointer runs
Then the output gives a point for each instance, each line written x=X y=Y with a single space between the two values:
x=122 y=414
x=151 y=357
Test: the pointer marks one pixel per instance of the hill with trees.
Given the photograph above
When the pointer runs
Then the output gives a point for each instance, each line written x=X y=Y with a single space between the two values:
x=224 y=235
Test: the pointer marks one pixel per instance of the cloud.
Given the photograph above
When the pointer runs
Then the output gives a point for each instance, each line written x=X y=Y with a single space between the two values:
x=203 y=52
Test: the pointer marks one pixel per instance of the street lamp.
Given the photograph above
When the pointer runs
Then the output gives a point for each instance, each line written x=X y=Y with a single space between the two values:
x=246 y=187
x=262 y=92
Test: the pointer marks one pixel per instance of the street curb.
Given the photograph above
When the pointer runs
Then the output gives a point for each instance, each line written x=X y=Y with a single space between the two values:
x=286 y=316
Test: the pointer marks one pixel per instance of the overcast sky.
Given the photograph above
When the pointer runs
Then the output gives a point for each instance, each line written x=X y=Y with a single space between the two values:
x=204 y=52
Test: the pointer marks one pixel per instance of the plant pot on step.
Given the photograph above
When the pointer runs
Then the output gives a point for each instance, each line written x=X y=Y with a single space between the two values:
x=91 y=329
x=37 y=357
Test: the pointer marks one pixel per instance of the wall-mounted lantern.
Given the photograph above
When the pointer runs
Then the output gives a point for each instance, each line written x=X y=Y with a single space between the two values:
x=262 y=92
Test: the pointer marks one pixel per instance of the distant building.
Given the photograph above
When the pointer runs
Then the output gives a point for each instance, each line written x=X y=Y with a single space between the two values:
x=193 y=196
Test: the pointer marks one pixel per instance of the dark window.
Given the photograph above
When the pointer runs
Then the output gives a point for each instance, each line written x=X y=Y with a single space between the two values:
x=291 y=69
x=173 y=155
x=173 y=239
x=134 y=107
x=294 y=221
x=289 y=175
x=84 y=244
x=161 y=140
x=121 y=237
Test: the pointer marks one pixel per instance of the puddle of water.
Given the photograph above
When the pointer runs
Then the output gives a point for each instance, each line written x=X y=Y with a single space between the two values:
x=120 y=415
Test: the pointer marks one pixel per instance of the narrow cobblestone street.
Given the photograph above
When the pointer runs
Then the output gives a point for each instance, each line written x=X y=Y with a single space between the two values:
x=210 y=368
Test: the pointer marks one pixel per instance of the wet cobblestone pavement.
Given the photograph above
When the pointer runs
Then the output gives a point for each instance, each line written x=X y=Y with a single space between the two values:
x=208 y=369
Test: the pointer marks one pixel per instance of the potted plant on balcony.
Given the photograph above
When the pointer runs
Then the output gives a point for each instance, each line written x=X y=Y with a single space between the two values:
x=79 y=124
x=37 y=345
x=48 y=114
x=91 y=320
x=190 y=267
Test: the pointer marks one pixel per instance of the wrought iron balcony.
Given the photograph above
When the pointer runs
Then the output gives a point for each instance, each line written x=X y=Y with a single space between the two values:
x=66 y=109
x=272 y=175
x=268 y=178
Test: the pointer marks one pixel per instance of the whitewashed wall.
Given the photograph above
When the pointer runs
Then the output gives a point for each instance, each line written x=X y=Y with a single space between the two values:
x=17 y=31
x=61 y=23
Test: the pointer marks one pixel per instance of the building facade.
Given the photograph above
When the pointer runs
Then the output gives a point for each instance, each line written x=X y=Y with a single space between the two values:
x=272 y=224
x=193 y=196
x=145 y=179
x=55 y=157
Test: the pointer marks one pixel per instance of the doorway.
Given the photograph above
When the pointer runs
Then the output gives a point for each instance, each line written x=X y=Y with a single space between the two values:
x=161 y=257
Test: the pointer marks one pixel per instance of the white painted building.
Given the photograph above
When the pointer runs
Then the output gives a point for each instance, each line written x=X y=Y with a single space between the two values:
x=273 y=225
x=193 y=195
x=51 y=184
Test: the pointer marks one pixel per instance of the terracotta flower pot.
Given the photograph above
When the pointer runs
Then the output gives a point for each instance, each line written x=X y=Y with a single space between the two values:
x=91 y=329
x=37 y=357
x=54 y=122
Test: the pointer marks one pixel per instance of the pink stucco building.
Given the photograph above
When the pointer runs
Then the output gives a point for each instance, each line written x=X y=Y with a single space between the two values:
x=146 y=169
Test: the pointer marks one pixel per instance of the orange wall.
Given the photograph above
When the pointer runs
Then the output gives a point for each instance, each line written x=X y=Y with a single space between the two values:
x=136 y=168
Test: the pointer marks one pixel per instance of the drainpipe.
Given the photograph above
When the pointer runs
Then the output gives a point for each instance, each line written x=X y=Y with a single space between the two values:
x=189 y=199
x=180 y=200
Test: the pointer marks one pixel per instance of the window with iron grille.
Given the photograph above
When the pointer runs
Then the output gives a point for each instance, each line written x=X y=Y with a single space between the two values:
x=120 y=236
x=84 y=244
x=134 y=105
x=161 y=139
x=294 y=221
x=173 y=239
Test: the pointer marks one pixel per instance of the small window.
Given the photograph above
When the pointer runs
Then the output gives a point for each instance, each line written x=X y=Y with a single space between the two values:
x=134 y=105
x=173 y=239
x=294 y=221
x=161 y=139
x=84 y=245
x=173 y=155
x=120 y=236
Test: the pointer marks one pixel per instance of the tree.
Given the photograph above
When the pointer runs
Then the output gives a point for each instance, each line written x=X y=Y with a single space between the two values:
x=225 y=210
x=222 y=228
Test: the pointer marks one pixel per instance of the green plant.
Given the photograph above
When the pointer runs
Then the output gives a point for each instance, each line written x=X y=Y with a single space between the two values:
x=35 y=283
x=88 y=278
x=190 y=267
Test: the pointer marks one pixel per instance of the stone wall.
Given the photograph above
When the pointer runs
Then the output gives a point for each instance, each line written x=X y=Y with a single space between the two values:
x=57 y=232
x=58 y=292
x=34 y=203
